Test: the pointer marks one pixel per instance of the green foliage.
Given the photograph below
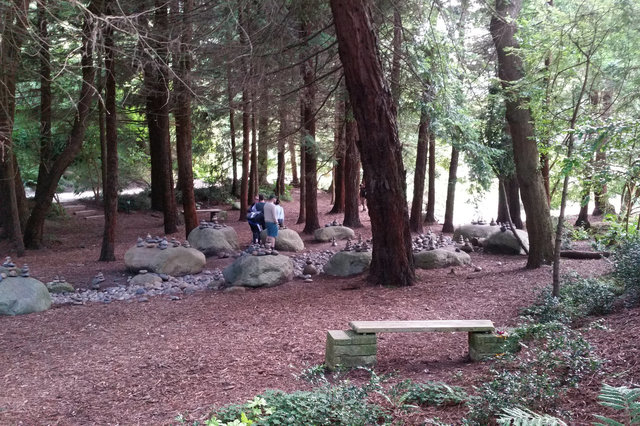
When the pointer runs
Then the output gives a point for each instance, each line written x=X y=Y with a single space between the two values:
x=616 y=231
x=131 y=202
x=552 y=358
x=622 y=399
x=627 y=265
x=524 y=417
x=432 y=393
x=215 y=194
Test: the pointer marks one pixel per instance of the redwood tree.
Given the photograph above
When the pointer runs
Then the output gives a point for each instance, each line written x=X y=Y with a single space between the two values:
x=525 y=150
x=380 y=149
x=110 y=191
x=415 y=221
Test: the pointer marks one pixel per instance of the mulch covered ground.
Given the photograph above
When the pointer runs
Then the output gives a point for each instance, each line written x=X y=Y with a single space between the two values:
x=144 y=363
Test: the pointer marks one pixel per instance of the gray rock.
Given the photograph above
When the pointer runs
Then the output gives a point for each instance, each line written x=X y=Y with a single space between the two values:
x=145 y=279
x=23 y=295
x=213 y=241
x=287 y=240
x=175 y=261
x=348 y=263
x=259 y=271
x=440 y=258
x=475 y=231
x=328 y=232
x=60 y=287
x=506 y=243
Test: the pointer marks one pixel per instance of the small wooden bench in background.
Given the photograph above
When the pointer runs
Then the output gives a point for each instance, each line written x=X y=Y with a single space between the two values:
x=213 y=213
x=358 y=346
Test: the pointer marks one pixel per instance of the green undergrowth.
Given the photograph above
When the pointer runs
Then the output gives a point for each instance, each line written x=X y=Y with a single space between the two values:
x=545 y=356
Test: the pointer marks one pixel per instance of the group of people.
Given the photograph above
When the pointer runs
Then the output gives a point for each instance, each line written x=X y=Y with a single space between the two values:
x=267 y=215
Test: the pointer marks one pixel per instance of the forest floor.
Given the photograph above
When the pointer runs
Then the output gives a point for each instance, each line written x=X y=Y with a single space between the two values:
x=145 y=363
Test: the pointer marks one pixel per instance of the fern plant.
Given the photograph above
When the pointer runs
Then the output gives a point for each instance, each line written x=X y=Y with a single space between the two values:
x=524 y=417
x=624 y=399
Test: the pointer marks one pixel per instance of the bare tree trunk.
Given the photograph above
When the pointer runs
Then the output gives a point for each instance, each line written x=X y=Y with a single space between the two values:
x=351 y=170
x=182 y=116
x=295 y=181
x=246 y=142
x=232 y=135
x=263 y=141
x=339 y=150
x=48 y=182
x=253 y=169
x=525 y=151
x=397 y=54
x=430 y=218
x=303 y=169
x=110 y=191
x=282 y=141
x=451 y=190
x=157 y=111
x=415 y=221
x=380 y=149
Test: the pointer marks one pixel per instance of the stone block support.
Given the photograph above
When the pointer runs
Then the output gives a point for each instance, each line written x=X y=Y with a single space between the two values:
x=350 y=349
x=485 y=345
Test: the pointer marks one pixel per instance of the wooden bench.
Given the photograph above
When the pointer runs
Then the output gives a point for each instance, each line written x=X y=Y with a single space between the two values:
x=358 y=346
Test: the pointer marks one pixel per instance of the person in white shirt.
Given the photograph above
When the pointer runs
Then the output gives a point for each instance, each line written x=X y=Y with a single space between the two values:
x=279 y=213
x=271 y=220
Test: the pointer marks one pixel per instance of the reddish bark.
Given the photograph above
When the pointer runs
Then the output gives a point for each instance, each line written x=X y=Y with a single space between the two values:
x=415 y=221
x=430 y=218
x=351 y=170
x=380 y=149
x=451 y=190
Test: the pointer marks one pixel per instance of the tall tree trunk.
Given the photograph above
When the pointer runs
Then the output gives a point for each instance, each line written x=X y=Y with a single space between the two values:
x=15 y=21
x=156 y=78
x=512 y=189
x=430 y=218
x=263 y=141
x=525 y=151
x=110 y=191
x=311 y=147
x=295 y=181
x=246 y=143
x=303 y=169
x=183 y=119
x=282 y=142
x=253 y=170
x=447 y=226
x=415 y=221
x=380 y=149
x=397 y=54
x=601 y=198
x=351 y=169
x=583 y=215
x=48 y=182
x=232 y=135
x=339 y=150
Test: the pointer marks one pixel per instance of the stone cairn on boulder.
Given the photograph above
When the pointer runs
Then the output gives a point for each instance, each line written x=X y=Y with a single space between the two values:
x=11 y=268
x=211 y=225
x=334 y=223
x=317 y=258
x=97 y=281
x=259 y=250
x=359 y=246
x=430 y=241
x=160 y=243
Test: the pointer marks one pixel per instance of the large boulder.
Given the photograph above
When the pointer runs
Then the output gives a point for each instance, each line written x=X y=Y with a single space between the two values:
x=328 y=232
x=23 y=295
x=440 y=258
x=214 y=241
x=287 y=240
x=475 y=231
x=506 y=243
x=348 y=263
x=259 y=271
x=174 y=261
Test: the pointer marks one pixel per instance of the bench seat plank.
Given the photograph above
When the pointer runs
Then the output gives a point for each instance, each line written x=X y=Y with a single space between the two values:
x=421 y=326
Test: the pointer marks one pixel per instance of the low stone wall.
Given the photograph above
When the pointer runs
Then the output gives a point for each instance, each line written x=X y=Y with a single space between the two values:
x=346 y=348
x=350 y=349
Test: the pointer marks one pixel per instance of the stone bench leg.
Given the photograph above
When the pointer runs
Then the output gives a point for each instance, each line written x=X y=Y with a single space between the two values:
x=485 y=345
x=350 y=349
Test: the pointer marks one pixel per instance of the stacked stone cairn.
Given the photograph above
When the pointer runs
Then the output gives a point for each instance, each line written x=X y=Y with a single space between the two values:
x=212 y=225
x=259 y=250
x=430 y=241
x=359 y=246
x=334 y=223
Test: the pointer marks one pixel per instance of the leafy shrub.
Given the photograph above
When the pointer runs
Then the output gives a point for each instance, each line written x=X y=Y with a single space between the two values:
x=432 y=393
x=343 y=404
x=615 y=232
x=523 y=417
x=579 y=297
x=131 y=202
x=546 y=368
x=622 y=399
x=627 y=265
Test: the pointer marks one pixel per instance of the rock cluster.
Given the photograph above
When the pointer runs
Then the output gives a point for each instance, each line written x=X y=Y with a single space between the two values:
x=155 y=285
x=337 y=231
x=359 y=246
x=211 y=238
x=259 y=250
x=317 y=258
x=430 y=241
